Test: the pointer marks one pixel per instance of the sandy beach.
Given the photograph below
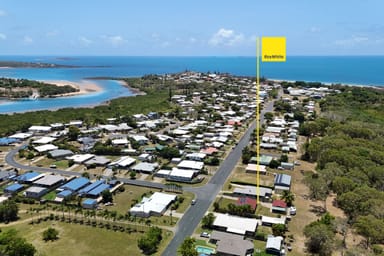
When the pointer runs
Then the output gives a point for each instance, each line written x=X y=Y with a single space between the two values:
x=135 y=91
x=84 y=87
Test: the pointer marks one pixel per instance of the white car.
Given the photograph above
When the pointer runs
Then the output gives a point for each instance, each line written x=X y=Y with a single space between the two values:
x=292 y=210
x=205 y=234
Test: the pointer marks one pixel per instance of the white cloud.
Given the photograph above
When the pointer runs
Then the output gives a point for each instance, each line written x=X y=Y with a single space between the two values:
x=85 y=41
x=2 y=13
x=226 y=37
x=354 y=40
x=114 y=40
x=27 y=40
x=3 y=36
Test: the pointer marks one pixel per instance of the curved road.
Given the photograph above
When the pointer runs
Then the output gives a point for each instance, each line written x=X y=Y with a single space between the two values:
x=205 y=195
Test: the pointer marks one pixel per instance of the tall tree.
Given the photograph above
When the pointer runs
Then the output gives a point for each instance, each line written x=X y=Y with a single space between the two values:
x=279 y=229
x=371 y=228
x=187 y=248
x=73 y=132
x=320 y=239
x=107 y=196
x=11 y=244
x=50 y=234
x=288 y=197
x=318 y=188
x=8 y=211
x=208 y=220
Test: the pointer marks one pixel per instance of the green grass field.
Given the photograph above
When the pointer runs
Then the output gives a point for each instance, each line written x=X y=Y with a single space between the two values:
x=75 y=239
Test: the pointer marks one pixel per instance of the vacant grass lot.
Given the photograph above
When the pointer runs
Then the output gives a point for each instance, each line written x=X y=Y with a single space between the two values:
x=241 y=175
x=75 y=239
x=46 y=162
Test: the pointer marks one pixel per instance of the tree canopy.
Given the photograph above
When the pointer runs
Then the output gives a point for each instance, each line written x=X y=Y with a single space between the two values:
x=150 y=241
x=8 y=211
x=347 y=143
x=11 y=244
x=187 y=248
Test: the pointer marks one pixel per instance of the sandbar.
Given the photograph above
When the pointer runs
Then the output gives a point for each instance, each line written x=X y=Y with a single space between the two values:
x=84 y=87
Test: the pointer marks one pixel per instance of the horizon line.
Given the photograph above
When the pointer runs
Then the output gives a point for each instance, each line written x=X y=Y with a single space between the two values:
x=183 y=56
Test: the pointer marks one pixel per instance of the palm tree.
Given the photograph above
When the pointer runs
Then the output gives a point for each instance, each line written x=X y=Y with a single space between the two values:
x=288 y=197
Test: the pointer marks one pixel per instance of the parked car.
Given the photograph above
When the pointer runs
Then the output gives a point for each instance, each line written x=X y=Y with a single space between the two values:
x=193 y=202
x=292 y=210
x=205 y=234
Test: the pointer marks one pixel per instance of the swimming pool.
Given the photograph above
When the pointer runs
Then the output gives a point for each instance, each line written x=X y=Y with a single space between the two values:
x=204 y=250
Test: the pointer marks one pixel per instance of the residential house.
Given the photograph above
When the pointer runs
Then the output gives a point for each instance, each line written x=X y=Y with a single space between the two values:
x=235 y=224
x=282 y=182
x=274 y=245
x=231 y=244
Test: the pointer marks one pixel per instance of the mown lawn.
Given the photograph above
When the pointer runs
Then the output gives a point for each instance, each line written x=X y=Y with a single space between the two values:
x=75 y=239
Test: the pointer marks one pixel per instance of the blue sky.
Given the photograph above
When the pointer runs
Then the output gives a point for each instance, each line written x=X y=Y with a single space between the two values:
x=189 y=28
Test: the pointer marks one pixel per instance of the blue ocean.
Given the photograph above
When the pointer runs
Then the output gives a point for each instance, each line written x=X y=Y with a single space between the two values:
x=358 y=70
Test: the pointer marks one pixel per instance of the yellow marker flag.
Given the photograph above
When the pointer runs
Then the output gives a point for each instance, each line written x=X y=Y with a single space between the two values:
x=273 y=49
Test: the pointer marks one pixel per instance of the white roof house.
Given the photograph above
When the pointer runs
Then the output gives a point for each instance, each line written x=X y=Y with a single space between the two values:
x=113 y=128
x=57 y=125
x=145 y=167
x=155 y=205
x=193 y=165
x=124 y=161
x=273 y=245
x=162 y=137
x=235 y=224
x=21 y=136
x=278 y=122
x=80 y=158
x=181 y=174
x=255 y=167
x=163 y=173
x=76 y=123
x=196 y=156
x=123 y=141
x=45 y=148
x=180 y=132
x=268 y=221
x=272 y=129
x=44 y=140
x=140 y=139
x=38 y=128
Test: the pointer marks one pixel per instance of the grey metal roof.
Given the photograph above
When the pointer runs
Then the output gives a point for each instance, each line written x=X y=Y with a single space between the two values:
x=49 y=180
x=145 y=167
x=283 y=180
x=231 y=244
x=60 y=153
